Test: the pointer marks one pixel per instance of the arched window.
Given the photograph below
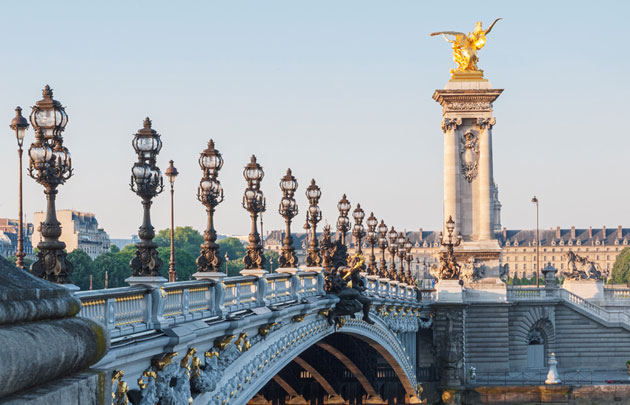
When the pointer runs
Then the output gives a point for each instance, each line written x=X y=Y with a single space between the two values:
x=535 y=349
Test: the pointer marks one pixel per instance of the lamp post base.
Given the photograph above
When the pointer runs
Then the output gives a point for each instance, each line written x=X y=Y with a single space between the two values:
x=154 y=282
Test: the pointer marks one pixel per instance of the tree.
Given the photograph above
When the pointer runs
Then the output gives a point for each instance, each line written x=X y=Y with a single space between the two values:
x=185 y=265
x=186 y=238
x=114 y=249
x=233 y=247
x=82 y=269
x=27 y=262
x=117 y=270
x=621 y=269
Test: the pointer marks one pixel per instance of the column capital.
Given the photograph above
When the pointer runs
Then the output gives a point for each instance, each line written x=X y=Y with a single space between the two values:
x=486 y=123
x=451 y=123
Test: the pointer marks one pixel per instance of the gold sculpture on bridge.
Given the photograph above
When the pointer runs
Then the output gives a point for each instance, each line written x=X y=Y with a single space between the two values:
x=465 y=47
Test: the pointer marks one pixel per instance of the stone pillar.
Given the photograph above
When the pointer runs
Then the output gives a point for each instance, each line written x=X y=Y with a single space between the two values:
x=486 y=182
x=451 y=170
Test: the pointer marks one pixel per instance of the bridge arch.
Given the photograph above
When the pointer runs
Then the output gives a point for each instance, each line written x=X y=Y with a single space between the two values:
x=254 y=368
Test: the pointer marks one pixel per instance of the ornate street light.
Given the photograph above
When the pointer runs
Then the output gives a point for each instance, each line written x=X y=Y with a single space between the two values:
x=313 y=193
x=400 y=276
x=146 y=182
x=382 y=244
x=326 y=248
x=254 y=202
x=288 y=209
x=449 y=268
x=19 y=124
x=358 y=231
x=50 y=165
x=343 y=222
x=171 y=173
x=393 y=248
x=409 y=256
x=210 y=194
x=372 y=239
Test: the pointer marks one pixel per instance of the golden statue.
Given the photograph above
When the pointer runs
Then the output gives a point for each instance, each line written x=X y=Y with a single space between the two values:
x=465 y=47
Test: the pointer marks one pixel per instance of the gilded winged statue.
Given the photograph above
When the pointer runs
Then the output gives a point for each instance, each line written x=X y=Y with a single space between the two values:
x=465 y=46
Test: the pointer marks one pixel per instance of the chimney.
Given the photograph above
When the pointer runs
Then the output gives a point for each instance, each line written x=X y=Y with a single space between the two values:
x=573 y=232
x=604 y=232
x=590 y=232
x=619 y=232
x=504 y=233
x=420 y=235
x=558 y=233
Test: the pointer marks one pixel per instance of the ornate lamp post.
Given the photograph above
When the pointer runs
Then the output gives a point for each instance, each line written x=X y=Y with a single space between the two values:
x=288 y=209
x=210 y=194
x=400 y=276
x=19 y=124
x=449 y=268
x=326 y=248
x=147 y=183
x=313 y=193
x=382 y=244
x=409 y=257
x=393 y=248
x=254 y=202
x=358 y=231
x=171 y=173
x=343 y=223
x=50 y=165
x=372 y=239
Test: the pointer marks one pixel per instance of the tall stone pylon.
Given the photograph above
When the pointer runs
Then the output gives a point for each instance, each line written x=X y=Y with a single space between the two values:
x=469 y=188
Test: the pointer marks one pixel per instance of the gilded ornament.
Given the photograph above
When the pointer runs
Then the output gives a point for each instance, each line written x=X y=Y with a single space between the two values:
x=465 y=47
x=222 y=343
x=299 y=318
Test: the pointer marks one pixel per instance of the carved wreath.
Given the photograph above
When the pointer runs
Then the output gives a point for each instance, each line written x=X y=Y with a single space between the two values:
x=470 y=155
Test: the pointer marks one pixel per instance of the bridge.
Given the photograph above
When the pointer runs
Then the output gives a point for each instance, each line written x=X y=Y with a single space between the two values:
x=220 y=342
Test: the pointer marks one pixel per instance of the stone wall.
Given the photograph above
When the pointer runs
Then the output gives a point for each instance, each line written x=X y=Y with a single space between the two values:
x=487 y=337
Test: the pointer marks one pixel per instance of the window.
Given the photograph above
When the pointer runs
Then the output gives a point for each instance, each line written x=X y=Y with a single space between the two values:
x=524 y=258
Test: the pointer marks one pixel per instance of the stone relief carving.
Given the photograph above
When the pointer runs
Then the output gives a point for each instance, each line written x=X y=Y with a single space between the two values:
x=470 y=155
x=473 y=270
x=448 y=348
x=119 y=388
x=469 y=106
x=486 y=123
x=581 y=268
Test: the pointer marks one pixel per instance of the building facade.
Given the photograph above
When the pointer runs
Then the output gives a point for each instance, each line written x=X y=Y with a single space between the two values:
x=79 y=230
x=9 y=230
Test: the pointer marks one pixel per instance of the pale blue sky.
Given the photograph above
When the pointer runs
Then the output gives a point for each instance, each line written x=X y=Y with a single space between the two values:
x=336 y=90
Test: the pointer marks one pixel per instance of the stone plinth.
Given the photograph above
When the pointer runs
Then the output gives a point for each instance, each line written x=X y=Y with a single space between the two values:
x=153 y=282
x=591 y=290
x=253 y=272
x=315 y=269
x=490 y=289
x=209 y=275
x=448 y=291
x=287 y=270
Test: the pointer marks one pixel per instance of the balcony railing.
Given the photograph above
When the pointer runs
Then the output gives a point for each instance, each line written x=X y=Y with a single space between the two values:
x=129 y=310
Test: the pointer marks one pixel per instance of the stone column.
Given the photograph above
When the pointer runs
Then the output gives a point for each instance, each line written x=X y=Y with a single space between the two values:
x=451 y=170
x=486 y=182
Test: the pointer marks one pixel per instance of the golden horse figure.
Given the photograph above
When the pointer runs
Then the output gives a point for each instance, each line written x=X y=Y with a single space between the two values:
x=465 y=46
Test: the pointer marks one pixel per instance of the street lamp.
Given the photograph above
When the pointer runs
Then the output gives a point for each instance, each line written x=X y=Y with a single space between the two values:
x=393 y=248
x=372 y=239
x=343 y=223
x=382 y=244
x=409 y=256
x=254 y=202
x=19 y=124
x=288 y=209
x=51 y=166
x=147 y=183
x=358 y=231
x=535 y=201
x=400 y=276
x=210 y=194
x=313 y=193
x=227 y=258
x=449 y=269
x=326 y=247
x=171 y=173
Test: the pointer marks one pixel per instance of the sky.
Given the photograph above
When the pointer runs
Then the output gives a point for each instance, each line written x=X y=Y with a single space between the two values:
x=338 y=91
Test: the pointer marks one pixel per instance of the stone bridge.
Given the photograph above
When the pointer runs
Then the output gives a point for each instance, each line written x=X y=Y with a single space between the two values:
x=220 y=342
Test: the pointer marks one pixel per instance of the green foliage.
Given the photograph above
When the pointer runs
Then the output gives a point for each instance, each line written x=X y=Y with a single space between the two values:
x=621 y=269
x=233 y=247
x=186 y=238
x=117 y=271
x=185 y=264
x=82 y=269
x=114 y=249
x=27 y=262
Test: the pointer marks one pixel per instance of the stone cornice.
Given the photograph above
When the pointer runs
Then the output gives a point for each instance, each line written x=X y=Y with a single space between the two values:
x=466 y=100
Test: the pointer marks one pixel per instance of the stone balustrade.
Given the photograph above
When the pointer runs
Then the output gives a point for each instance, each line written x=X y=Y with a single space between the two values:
x=129 y=310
